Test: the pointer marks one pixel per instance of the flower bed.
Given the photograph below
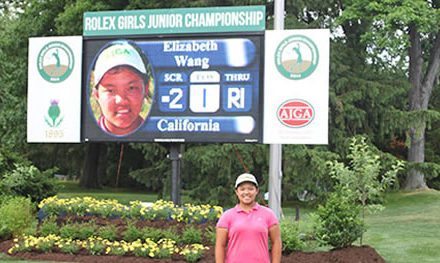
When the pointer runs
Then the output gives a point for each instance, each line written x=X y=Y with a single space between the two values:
x=164 y=248
x=91 y=230
x=159 y=210
x=90 y=226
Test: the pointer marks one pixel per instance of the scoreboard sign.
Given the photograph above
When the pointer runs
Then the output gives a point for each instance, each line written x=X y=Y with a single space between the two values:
x=174 y=88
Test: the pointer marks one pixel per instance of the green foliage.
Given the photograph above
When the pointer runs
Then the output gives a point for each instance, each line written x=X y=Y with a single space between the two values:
x=95 y=246
x=69 y=246
x=29 y=181
x=8 y=159
x=156 y=164
x=86 y=230
x=386 y=17
x=210 y=235
x=17 y=216
x=191 y=235
x=291 y=237
x=193 y=253
x=171 y=233
x=363 y=179
x=81 y=231
x=46 y=245
x=337 y=222
x=306 y=175
x=132 y=233
x=154 y=234
x=364 y=99
x=117 y=251
x=193 y=257
x=69 y=231
x=166 y=248
x=109 y=232
x=210 y=170
x=49 y=226
x=357 y=186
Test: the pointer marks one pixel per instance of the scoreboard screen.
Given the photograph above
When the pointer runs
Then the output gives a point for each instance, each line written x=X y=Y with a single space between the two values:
x=174 y=89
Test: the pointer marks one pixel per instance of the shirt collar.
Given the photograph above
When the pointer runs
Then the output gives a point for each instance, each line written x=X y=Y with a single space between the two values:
x=254 y=208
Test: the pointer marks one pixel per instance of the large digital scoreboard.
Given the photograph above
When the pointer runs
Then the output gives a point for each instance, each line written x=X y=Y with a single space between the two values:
x=180 y=75
x=199 y=87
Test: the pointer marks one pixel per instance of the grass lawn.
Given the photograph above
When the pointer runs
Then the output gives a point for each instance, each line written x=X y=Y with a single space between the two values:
x=6 y=258
x=408 y=230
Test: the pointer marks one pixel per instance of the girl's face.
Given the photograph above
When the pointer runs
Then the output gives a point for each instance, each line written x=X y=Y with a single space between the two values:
x=121 y=94
x=246 y=193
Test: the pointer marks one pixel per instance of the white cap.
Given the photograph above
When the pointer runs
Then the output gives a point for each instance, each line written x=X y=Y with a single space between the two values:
x=119 y=53
x=245 y=178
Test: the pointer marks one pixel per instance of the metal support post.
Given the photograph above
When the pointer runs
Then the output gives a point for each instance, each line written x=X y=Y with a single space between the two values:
x=175 y=157
x=275 y=152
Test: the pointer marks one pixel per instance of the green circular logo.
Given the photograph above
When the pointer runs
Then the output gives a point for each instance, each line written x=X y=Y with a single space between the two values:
x=296 y=57
x=55 y=61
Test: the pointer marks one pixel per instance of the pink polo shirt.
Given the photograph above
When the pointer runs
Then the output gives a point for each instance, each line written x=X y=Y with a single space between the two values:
x=248 y=233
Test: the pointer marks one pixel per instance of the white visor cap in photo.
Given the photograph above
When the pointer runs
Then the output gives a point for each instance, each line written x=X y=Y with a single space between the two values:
x=245 y=178
x=120 y=53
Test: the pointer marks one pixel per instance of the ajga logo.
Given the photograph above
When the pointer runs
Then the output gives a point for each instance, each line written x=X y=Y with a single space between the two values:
x=296 y=57
x=53 y=118
x=295 y=113
x=55 y=61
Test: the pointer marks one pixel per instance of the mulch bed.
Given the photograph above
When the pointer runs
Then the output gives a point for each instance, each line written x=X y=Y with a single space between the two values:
x=354 y=254
x=363 y=254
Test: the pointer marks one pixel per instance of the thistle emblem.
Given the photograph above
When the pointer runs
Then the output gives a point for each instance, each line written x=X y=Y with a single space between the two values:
x=54 y=112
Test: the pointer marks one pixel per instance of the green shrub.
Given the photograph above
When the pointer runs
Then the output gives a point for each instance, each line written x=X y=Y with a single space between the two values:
x=8 y=158
x=109 y=232
x=78 y=231
x=49 y=226
x=69 y=246
x=191 y=235
x=210 y=235
x=69 y=230
x=95 y=246
x=171 y=233
x=132 y=233
x=27 y=180
x=86 y=230
x=291 y=237
x=166 y=248
x=116 y=250
x=4 y=199
x=192 y=253
x=366 y=178
x=46 y=245
x=338 y=222
x=152 y=233
x=17 y=217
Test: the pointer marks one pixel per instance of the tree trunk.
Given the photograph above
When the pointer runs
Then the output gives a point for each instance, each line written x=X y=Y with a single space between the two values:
x=419 y=95
x=416 y=154
x=89 y=178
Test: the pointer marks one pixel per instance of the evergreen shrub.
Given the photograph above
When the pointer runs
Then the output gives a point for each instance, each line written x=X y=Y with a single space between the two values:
x=29 y=181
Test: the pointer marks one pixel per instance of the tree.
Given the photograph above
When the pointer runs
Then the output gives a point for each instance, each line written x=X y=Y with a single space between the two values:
x=363 y=180
x=400 y=30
